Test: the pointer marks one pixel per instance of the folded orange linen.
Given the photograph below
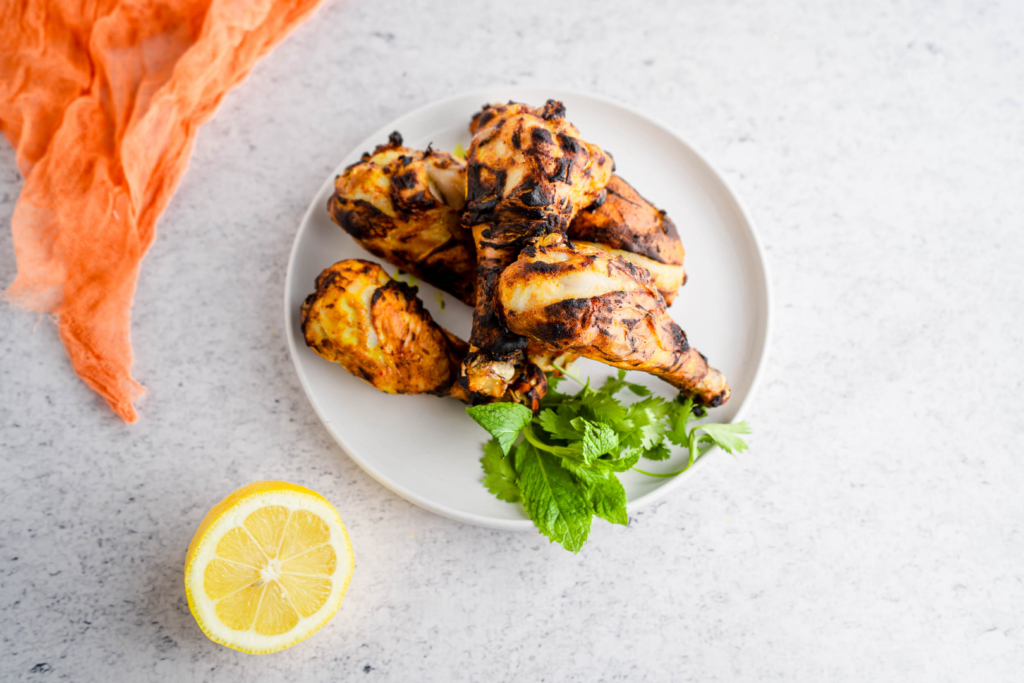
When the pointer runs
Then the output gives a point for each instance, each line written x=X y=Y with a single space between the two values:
x=102 y=100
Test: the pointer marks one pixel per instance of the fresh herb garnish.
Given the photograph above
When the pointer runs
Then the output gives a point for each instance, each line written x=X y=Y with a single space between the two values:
x=562 y=463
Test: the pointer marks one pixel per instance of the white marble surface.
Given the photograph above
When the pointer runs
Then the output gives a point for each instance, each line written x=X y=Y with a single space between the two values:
x=872 y=532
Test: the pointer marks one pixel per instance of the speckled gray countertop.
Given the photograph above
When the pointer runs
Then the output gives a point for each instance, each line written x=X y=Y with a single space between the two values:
x=872 y=532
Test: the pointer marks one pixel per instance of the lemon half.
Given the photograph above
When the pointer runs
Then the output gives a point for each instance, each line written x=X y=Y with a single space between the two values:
x=268 y=566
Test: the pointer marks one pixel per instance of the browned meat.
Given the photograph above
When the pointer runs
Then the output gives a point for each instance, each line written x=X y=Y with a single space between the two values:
x=583 y=300
x=629 y=226
x=424 y=238
x=378 y=330
x=529 y=174
x=405 y=206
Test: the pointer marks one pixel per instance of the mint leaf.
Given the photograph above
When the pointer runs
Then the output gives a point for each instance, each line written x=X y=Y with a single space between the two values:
x=556 y=502
x=727 y=435
x=609 y=500
x=499 y=475
x=598 y=438
x=622 y=464
x=502 y=420
x=587 y=474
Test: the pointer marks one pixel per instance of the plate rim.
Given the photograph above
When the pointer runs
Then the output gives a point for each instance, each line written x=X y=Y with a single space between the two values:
x=525 y=524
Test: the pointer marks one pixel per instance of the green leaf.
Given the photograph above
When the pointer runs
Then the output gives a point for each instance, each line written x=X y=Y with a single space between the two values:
x=556 y=502
x=609 y=500
x=598 y=438
x=499 y=475
x=622 y=464
x=502 y=420
x=658 y=452
x=647 y=417
x=678 y=433
x=727 y=435
x=588 y=474
x=558 y=423
x=600 y=407
x=613 y=385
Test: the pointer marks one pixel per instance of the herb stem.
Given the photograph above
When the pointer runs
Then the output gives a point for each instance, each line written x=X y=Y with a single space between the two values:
x=537 y=443
x=678 y=472
x=571 y=375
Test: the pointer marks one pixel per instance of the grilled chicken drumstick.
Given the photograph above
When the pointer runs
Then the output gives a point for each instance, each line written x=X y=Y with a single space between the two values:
x=629 y=226
x=529 y=174
x=378 y=330
x=576 y=298
x=404 y=206
x=424 y=237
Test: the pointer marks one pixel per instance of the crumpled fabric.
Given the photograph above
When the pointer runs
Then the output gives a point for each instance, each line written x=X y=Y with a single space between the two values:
x=102 y=100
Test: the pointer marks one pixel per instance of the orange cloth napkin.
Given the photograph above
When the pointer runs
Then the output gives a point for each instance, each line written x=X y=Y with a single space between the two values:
x=102 y=100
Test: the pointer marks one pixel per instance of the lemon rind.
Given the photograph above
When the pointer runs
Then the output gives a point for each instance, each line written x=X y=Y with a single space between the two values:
x=231 y=512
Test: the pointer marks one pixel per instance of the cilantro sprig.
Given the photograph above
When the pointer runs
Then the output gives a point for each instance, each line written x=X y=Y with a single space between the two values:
x=563 y=463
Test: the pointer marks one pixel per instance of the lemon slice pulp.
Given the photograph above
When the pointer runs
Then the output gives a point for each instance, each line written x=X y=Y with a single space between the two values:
x=268 y=566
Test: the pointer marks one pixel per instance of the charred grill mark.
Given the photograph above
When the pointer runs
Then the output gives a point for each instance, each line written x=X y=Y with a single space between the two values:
x=360 y=218
x=420 y=201
x=561 y=173
x=407 y=292
x=507 y=346
x=553 y=109
x=572 y=307
x=485 y=117
x=542 y=267
x=535 y=193
x=622 y=198
x=602 y=197
x=529 y=213
x=568 y=144
x=395 y=139
x=555 y=333
x=640 y=274
x=475 y=397
x=498 y=246
x=628 y=222
x=541 y=136
x=404 y=181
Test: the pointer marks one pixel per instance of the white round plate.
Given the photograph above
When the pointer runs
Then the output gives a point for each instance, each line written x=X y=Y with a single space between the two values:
x=426 y=449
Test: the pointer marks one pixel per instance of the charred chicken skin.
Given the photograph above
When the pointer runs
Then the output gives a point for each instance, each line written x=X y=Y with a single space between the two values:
x=529 y=173
x=629 y=226
x=378 y=329
x=576 y=298
x=425 y=239
x=405 y=206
